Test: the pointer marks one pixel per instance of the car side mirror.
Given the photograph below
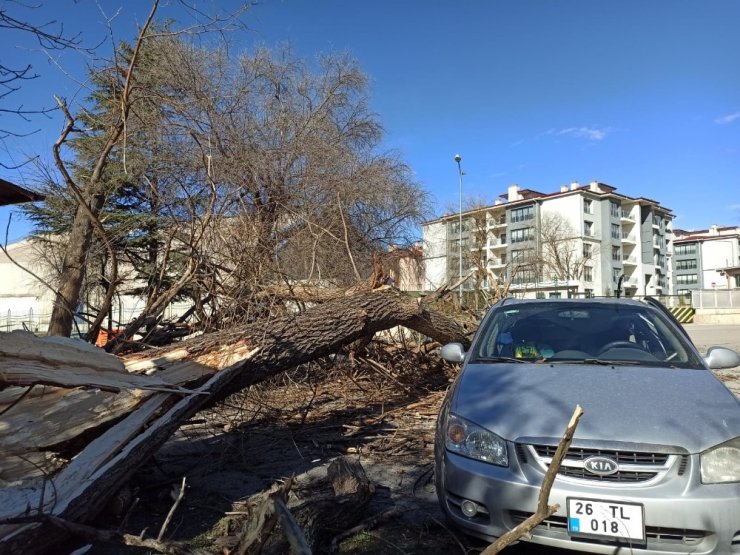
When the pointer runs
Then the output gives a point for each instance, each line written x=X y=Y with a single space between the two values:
x=453 y=352
x=721 y=357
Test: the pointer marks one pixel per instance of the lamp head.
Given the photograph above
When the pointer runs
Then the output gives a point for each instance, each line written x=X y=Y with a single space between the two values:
x=458 y=158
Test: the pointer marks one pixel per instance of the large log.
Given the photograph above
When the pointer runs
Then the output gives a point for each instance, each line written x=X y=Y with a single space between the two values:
x=288 y=341
x=227 y=362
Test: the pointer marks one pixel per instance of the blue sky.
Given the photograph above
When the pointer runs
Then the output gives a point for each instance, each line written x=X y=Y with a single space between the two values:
x=643 y=95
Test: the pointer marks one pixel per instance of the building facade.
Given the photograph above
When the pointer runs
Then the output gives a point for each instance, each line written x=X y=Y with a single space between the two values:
x=706 y=259
x=578 y=241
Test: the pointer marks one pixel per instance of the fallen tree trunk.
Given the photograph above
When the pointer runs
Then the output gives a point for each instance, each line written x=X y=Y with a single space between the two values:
x=238 y=358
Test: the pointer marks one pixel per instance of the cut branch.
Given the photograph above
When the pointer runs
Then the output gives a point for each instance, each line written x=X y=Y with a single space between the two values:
x=543 y=509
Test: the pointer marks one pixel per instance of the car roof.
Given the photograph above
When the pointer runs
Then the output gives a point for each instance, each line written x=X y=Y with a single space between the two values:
x=591 y=300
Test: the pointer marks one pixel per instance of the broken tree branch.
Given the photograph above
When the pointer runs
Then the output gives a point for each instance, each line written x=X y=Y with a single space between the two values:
x=226 y=361
x=543 y=509
x=92 y=534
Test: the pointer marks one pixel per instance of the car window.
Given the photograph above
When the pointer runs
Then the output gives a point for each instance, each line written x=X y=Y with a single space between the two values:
x=577 y=331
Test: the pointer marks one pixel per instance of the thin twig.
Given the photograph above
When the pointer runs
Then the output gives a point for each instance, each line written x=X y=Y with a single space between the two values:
x=18 y=400
x=172 y=511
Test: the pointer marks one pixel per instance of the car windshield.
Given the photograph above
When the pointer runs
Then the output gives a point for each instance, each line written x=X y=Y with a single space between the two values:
x=582 y=332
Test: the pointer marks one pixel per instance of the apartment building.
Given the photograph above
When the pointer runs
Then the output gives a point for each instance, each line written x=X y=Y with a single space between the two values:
x=706 y=259
x=578 y=241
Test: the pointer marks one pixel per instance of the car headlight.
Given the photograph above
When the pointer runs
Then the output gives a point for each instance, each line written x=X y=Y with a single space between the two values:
x=721 y=463
x=470 y=440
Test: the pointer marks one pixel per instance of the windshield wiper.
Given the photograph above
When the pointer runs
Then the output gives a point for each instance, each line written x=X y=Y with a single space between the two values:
x=595 y=361
x=501 y=359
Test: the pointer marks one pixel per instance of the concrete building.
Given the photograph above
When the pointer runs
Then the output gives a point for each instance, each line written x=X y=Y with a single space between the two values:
x=706 y=259
x=27 y=297
x=579 y=240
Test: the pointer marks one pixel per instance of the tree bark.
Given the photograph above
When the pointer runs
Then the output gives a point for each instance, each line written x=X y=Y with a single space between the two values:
x=73 y=273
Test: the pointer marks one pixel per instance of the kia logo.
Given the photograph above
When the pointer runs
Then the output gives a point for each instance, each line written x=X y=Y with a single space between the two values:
x=601 y=466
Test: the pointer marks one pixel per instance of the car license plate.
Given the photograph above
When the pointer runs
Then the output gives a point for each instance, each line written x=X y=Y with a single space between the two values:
x=606 y=519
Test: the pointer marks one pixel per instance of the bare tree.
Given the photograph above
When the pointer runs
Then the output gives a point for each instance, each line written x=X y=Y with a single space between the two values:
x=561 y=254
x=224 y=177
x=88 y=178
x=493 y=274
x=17 y=18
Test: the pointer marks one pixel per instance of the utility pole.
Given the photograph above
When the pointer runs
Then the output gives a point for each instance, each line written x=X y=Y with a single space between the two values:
x=458 y=158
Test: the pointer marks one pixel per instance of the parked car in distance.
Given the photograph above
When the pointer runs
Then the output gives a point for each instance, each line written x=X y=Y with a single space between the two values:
x=654 y=466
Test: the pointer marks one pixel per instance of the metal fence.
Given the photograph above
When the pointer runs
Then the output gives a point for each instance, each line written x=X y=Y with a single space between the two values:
x=24 y=321
x=39 y=323
x=675 y=301
x=716 y=298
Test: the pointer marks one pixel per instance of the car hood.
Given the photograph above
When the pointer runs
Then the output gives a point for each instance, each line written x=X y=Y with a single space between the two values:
x=690 y=409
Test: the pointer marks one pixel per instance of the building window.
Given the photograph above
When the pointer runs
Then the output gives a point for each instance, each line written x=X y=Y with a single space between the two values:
x=521 y=256
x=522 y=235
x=681 y=250
x=687 y=279
x=689 y=264
x=616 y=254
x=555 y=295
x=524 y=276
x=455 y=227
x=587 y=250
x=540 y=294
x=684 y=291
x=588 y=273
x=737 y=280
x=615 y=231
x=522 y=214
x=588 y=206
x=588 y=229
x=616 y=273
x=589 y=293
x=614 y=207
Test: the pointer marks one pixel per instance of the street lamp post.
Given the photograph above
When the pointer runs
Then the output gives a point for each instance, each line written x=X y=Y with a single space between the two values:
x=458 y=158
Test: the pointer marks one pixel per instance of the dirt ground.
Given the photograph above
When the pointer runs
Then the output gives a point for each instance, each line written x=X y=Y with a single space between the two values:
x=381 y=413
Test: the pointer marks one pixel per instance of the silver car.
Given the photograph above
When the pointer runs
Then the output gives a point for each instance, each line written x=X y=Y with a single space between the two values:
x=654 y=467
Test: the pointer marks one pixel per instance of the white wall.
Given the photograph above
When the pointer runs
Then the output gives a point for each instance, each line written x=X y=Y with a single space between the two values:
x=22 y=297
x=715 y=255
x=435 y=255
x=568 y=206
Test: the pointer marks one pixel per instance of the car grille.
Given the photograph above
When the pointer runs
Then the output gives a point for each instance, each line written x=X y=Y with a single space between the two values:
x=619 y=476
x=634 y=466
x=622 y=457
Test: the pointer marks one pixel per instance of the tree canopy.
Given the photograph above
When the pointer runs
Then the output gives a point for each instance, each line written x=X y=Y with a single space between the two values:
x=223 y=175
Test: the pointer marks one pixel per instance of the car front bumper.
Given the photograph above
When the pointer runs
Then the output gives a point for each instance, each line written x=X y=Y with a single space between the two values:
x=681 y=515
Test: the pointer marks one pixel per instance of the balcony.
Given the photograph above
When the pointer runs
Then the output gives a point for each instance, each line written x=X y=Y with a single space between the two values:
x=497 y=245
x=495 y=223
x=628 y=238
x=496 y=263
x=629 y=260
x=626 y=217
